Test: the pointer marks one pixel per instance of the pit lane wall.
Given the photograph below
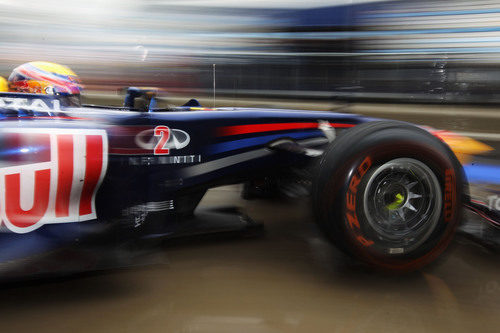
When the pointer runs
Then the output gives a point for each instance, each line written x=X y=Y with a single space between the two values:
x=359 y=51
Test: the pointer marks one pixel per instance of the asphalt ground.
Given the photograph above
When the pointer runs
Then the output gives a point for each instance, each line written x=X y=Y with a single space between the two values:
x=287 y=280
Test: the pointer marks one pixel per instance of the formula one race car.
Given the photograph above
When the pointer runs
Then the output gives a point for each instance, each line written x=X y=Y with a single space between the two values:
x=388 y=193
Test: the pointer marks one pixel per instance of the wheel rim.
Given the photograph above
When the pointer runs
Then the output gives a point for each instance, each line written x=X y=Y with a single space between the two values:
x=402 y=204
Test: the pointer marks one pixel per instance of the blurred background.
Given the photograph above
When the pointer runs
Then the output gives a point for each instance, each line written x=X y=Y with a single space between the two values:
x=440 y=51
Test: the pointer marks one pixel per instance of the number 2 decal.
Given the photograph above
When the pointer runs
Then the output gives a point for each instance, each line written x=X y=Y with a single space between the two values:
x=164 y=133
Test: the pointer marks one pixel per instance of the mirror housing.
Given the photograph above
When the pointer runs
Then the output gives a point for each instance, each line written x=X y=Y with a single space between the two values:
x=140 y=98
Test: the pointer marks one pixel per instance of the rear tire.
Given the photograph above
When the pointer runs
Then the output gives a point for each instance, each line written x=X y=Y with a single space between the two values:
x=389 y=193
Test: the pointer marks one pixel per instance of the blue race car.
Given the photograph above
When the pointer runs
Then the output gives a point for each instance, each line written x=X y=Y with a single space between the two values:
x=385 y=192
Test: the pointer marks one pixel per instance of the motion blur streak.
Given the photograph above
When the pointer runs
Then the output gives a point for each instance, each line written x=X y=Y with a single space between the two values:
x=428 y=62
x=427 y=50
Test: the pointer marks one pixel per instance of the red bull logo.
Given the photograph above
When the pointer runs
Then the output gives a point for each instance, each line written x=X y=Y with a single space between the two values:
x=56 y=182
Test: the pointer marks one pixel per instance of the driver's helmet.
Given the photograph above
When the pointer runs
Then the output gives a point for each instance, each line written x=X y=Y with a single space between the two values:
x=41 y=77
x=4 y=86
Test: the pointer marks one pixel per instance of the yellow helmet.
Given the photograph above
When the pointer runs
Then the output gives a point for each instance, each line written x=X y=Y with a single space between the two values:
x=41 y=77
x=4 y=87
